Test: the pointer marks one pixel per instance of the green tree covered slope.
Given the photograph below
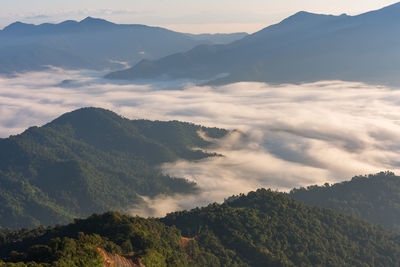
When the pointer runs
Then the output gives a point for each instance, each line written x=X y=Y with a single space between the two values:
x=374 y=198
x=91 y=160
x=263 y=228
x=266 y=228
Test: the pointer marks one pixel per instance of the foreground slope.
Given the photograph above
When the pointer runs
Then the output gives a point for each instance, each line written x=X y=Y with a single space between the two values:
x=77 y=244
x=305 y=47
x=91 y=160
x=374 y=198
x=91 y=44
x=263 y=228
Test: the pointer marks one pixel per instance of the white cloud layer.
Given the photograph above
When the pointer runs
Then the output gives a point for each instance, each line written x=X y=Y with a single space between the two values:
x=288 y=135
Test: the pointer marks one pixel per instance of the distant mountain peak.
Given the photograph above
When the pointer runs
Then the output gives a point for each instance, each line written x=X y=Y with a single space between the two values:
x=392 y=11
x=66 y=22
x=306 y=17
x=95 y=21
x=89 y=18
x=303 y=13
x=17 y=23
x=86 y=24
x=17 y=26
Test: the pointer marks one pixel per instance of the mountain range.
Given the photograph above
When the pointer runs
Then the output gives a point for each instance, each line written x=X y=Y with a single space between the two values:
x=67 y=187
x=305 y=47
x=91 y=160
x=92 y=44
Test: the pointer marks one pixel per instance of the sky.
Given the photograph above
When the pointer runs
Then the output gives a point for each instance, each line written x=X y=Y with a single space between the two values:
x=181 y=15
x=286 y=136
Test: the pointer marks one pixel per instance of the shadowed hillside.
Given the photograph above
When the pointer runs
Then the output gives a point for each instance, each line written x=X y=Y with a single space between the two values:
x=305 y=47
x=92 y=44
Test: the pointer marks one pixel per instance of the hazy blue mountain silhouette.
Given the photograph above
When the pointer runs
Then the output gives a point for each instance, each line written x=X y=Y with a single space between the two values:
x=91 y=43
x=305 y=47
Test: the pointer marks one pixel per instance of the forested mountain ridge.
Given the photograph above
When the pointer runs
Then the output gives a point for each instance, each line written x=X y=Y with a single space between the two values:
x=305 y=47
x=266 y=228
x=263 y=228
x=373 y=198
x=91 y=160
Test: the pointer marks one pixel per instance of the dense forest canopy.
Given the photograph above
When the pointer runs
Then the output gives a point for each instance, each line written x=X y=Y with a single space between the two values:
x=263 y=228
x=91 y=160
x=374 y=198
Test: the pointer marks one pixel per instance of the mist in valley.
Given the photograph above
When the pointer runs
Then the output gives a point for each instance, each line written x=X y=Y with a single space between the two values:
x=282 y=136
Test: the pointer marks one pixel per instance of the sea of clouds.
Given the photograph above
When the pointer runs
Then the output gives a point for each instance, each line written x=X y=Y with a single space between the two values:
x=286 y=136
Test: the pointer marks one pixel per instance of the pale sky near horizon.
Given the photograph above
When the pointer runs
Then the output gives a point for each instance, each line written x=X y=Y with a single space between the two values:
x=180 y=15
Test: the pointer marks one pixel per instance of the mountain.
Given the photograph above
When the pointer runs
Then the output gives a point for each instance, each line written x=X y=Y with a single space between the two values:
x=374 y=198
x=92 y=44
x=38 y=57
x=262 y=228
x=91 y=160
x=305 y=47
x=219 y=38
x=266 y=228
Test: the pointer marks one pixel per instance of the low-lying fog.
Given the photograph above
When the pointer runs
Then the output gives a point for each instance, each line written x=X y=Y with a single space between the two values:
x=289 y=135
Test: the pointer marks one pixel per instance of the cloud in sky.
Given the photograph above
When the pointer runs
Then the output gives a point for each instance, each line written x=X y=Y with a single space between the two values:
x=287 y=136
